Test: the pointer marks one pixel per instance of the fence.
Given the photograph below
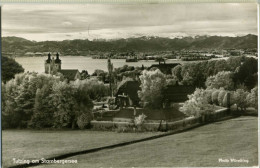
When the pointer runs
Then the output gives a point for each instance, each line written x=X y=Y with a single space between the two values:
x=162 y=125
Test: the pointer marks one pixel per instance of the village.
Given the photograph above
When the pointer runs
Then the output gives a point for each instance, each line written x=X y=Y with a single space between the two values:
x=129 y=84
x=123 y=102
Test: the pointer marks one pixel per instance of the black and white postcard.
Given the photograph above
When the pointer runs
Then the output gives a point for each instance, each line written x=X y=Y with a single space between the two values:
x=129 y=84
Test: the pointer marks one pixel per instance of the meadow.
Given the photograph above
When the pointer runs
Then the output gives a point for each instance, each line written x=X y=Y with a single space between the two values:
x=200 y=147
x=33 y=144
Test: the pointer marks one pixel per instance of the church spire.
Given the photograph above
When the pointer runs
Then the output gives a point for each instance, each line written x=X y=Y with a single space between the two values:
x=57 y=60
x=49 y=58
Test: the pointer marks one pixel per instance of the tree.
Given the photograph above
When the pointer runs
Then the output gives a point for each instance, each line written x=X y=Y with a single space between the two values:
x=246 y=73
x=110 y=68
x=252 y=98
x=71 y=102
x=240 y=99
x=221 y=96
x=43 y=109
x=234 y=62
x=92 y=87
x=214 y=96
x=222 y=79
x=176 y=71
x=20 y=95
x=152 y=85
x=10 y=119
x=43 y=101
x=9 y=68
x=221 y=65
x=83 y=114
x=197 y=105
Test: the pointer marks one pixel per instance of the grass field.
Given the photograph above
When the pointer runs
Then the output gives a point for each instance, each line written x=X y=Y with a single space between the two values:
x=200 y=147
x=26 y=144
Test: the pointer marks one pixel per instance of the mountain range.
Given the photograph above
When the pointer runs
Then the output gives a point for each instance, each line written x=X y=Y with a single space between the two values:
x=139 y=44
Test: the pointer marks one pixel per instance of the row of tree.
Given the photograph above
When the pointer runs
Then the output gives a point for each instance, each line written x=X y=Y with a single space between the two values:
x=202 y=101
x=236 y=75
x=244 y=72
x=40 y=101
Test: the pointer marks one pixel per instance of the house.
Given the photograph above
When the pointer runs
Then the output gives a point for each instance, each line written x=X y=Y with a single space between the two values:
x=70 y=74
x=53 y=66
x=127 y=93
x=164 y=68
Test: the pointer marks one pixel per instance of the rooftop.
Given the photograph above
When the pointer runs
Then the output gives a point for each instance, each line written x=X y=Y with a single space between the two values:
x=69 y=73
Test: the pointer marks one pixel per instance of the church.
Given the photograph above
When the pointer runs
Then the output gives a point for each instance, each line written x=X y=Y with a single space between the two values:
x=53 y=66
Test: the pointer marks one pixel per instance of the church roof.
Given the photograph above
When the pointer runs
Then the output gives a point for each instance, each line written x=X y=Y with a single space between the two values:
x=130 y=88
x=49 y=58
x=165 y=68
x=70 y=74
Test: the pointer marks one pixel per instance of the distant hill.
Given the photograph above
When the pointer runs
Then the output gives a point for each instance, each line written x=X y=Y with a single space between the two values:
x=141 y=44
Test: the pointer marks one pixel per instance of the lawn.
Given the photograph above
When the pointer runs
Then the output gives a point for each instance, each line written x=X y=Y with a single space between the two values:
x=32 y=144
x=200 y=147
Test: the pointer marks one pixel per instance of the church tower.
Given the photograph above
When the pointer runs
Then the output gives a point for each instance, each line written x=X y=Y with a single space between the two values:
x=52 y=66
x=57 y=63
x=47 y=64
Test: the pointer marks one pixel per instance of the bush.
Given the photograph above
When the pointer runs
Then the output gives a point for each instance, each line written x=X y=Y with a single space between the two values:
x=83 y=120
x=139 y=121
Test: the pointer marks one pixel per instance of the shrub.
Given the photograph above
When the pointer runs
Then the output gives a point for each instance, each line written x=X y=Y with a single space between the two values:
x=83 y=120
x=139 y=121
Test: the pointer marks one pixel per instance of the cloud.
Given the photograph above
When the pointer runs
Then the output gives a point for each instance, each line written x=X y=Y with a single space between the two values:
x=56 y=22
x=66 y=23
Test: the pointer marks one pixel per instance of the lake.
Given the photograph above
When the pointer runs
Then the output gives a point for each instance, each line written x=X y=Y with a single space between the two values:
x=36 y=64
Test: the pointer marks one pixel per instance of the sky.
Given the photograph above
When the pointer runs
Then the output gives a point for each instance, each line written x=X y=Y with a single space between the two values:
x=112 y=21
